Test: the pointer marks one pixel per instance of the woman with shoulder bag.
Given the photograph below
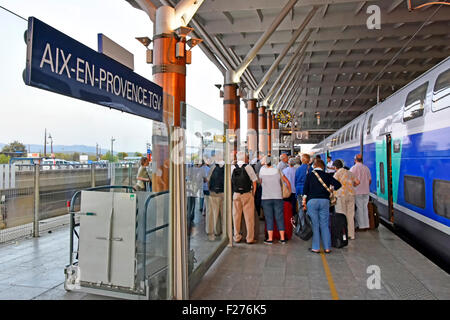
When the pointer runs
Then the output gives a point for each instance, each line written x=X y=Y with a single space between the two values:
x=317 y=195
x=272 y=198
x=142 y=176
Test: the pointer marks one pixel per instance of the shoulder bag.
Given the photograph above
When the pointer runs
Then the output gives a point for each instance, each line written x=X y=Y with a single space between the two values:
x=286 y=192
x=333 y=199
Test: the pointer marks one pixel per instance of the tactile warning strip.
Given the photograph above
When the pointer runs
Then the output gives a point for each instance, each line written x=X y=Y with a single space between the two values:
x=405 y=286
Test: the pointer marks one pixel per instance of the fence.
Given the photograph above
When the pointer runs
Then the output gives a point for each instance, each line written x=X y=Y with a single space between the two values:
x=34 y=193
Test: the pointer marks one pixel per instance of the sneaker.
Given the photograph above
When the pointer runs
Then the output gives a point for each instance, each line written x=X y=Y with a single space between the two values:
x=283 y=241
x=268 y=242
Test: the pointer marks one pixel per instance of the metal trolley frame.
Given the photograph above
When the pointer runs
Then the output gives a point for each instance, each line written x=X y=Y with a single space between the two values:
x=69 y=270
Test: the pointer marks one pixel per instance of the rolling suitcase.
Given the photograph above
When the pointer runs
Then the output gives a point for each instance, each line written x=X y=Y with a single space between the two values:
x=373 y=216
x=287 y=214
x=339 y=232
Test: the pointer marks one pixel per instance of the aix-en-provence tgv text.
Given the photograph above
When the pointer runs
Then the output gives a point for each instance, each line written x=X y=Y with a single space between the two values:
x=84 y=72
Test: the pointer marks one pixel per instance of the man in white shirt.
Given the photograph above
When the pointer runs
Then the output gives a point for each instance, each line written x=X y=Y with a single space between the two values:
x=362 y=173
x=330 y=168
x=243 y=182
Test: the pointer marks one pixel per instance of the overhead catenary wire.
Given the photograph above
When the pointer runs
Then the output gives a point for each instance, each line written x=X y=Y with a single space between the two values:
x=12 y=12
x=393 y=59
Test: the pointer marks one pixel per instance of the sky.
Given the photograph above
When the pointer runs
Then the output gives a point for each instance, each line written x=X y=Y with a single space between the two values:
x=26 y=111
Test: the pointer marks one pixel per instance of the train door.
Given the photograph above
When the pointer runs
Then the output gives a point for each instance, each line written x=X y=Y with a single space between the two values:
x=384 y=177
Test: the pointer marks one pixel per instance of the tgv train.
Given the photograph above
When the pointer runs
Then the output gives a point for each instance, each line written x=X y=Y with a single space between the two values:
x=405 y=142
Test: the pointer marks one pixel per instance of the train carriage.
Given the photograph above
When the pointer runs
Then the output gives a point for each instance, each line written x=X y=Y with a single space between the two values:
x=405 y=142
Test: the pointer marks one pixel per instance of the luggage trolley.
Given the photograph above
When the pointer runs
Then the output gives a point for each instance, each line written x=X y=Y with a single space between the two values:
x=109 y=253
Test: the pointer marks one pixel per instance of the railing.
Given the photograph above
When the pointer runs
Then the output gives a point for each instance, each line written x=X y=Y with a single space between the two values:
x=31 y=193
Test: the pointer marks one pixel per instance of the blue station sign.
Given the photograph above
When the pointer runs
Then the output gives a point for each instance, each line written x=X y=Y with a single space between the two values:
x=60 y=64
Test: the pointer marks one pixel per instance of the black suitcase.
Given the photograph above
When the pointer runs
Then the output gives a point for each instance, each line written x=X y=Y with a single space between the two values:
x=339 y=232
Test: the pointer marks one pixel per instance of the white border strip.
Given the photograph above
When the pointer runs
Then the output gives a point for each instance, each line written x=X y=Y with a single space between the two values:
x=424 y=219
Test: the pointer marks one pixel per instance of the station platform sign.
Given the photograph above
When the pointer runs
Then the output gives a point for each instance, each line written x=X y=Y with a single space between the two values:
x=61 y=64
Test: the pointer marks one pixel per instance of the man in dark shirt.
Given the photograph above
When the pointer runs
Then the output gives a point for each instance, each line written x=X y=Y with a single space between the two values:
x=317 y=200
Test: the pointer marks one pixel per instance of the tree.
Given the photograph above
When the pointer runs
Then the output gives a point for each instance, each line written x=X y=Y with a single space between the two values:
x=122 y=155
x=15 y=146
x=75 y=156
x=109 y=157
x=4 y=159
x=138 y=154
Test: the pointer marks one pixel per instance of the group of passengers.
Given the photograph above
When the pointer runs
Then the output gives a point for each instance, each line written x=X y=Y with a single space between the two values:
x=259 y=185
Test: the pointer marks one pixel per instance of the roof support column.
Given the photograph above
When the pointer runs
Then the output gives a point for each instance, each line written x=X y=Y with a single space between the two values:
x=289 y=66
x=286 y=49
x=232 y=77
x=269 y=132
x=169 y=71
x=231 y=115
x=262 y=131
x=252 y=128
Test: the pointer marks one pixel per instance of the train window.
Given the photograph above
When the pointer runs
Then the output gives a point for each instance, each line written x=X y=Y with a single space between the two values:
x=441 y=92
x=357 y=131
x=441 y=200
x=397 y=145
x=347 y=134
x=352 y=135
x=414 y=191
x=342 y=137
x=382 y=189
x=415 y=103
x=369 y=124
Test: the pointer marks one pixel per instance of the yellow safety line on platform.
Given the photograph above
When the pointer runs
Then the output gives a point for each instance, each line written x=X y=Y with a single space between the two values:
x=334 y=294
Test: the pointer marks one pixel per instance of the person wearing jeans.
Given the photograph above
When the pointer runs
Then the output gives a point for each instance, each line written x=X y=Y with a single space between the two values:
x=317 y=200
x=319 y=211
x=272 y=199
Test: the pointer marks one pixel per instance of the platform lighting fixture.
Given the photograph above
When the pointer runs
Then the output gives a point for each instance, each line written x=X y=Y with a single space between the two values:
x=192 y=42
x=182 y=32
x=149 y=53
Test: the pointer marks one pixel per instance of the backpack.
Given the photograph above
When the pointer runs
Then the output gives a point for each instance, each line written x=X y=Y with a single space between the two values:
x=240 y=181
x=216 y=180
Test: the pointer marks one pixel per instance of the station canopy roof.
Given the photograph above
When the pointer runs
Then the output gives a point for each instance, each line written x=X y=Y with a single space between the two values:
x=344 y=64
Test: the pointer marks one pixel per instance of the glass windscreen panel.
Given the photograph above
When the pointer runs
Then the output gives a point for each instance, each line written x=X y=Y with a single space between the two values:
x=64 y=145
x=205 y=181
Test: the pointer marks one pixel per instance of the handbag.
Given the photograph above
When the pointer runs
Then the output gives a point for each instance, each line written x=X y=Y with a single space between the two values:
x=333 y=198
x=286 y=192
x=302 y=227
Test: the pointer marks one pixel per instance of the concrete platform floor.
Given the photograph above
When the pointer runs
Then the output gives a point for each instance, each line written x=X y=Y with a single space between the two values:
x=290 y=271
x=33 y=269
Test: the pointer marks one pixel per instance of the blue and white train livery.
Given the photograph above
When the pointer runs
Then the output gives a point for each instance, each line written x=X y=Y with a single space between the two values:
x=405 y=142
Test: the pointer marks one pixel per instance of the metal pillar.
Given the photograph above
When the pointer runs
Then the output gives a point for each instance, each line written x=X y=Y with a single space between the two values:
x=252 y=128
x=265 y=36
x=92 y=175
x=288 y=68
x=269 y=132
x=262 y=131
x=286 y=49
x=231 y=114
x=169 y=71
x=36 y=202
